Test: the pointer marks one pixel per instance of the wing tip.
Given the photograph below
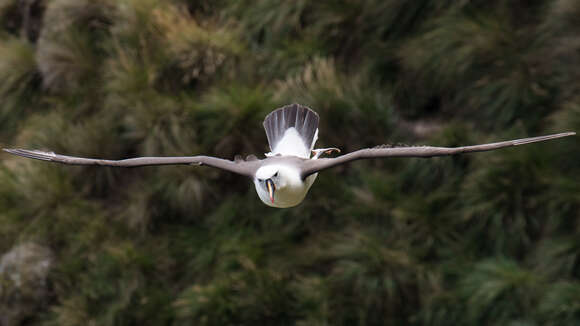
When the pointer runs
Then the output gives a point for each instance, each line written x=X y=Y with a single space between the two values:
x=34 y=154
x=543 y=138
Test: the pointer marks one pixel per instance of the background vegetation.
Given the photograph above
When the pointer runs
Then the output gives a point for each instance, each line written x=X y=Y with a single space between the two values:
x=485 y=239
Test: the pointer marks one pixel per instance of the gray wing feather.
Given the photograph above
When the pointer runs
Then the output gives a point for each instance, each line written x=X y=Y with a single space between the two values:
x=247 y=168
x=313 y=166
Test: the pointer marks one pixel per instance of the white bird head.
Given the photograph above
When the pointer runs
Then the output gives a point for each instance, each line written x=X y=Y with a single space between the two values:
x=267 y=180
x=280 y=185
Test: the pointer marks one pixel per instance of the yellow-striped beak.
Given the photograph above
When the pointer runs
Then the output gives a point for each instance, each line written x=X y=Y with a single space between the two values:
x=271 y=188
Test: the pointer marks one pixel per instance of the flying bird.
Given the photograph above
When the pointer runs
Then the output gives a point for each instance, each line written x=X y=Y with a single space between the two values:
x=285 y=175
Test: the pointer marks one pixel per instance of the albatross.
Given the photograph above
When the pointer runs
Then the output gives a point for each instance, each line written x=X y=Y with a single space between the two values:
x=287 y=172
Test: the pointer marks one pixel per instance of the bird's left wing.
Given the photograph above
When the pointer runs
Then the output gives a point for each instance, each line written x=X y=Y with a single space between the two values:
x=312 y=166
x=247 y=168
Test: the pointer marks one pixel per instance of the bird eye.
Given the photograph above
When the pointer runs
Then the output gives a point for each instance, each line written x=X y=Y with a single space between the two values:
x=260 y=180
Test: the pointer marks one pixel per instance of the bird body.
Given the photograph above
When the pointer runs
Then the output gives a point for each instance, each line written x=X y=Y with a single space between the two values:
x=283 y=178
x=291 y=144
x=294 y=131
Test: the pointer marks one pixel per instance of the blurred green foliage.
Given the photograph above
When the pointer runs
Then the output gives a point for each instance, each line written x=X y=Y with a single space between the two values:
x=484 y=239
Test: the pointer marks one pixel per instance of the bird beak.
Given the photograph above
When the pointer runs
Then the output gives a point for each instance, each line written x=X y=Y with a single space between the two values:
x=271 y=187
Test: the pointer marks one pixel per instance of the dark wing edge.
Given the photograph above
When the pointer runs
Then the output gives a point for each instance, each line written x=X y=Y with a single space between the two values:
x=247 y=168
x=313 y=166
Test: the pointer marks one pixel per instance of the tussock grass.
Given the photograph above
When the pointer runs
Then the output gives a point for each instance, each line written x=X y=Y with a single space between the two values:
x=489 y=238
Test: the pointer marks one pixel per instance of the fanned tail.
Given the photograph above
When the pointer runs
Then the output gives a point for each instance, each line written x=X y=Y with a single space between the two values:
x=299 y=117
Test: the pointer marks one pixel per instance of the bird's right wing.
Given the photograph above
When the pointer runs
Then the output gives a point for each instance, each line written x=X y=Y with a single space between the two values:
x=312 y=166
x=247 y=168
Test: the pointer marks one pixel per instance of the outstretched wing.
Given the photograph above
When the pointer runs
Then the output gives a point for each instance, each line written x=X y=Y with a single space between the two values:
x=247 y=168
x=313 y=166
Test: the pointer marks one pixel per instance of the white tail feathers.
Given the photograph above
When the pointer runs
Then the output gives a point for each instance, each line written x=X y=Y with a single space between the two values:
x=280 y=123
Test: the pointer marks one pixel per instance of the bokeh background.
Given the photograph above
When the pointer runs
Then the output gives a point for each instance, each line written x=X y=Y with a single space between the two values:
x=483 y=239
